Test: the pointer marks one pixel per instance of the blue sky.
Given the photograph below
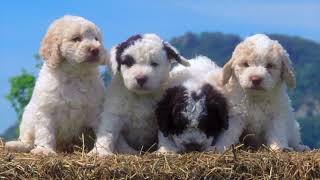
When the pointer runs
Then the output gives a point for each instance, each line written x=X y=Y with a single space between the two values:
x=23 y=24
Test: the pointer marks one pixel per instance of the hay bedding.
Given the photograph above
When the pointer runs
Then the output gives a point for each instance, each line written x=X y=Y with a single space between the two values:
x=234 y=164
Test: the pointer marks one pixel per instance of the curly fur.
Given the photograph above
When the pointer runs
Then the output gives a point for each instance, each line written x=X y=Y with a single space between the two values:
x=68 y=95
x=128 y=121
x=193 y=112
x=256 y=80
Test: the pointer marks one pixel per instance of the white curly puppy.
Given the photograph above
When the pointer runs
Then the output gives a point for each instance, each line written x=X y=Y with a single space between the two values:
x=68 y=95
x=193 y=112
x=256 y=80
x=140 y=68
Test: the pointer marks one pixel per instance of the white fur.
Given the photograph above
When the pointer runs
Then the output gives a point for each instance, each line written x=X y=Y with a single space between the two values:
x=128 y=120
x=264 y=111
x=68 y=95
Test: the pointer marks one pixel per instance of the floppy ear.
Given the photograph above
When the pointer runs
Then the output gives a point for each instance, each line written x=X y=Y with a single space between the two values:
x=227 y=71
x=112 y=63
x=287 y=72
x=172 y=53
x=50 y=48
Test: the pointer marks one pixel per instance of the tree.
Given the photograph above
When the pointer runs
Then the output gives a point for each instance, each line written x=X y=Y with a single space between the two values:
x=19 y=96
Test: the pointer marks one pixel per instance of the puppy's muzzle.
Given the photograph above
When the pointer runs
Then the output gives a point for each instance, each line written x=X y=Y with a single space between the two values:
x=256 y=80
x=93 y=54
x=141 y=80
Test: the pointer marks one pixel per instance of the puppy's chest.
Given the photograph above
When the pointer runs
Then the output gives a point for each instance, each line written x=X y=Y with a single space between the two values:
x=258 y=116
x=79 y=93
x=140 y=127
x=140 y=114
x=80 y=101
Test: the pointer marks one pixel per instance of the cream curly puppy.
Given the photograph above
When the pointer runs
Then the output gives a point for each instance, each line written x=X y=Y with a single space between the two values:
x=140 y=68
x=68 y=95
x=256 y=80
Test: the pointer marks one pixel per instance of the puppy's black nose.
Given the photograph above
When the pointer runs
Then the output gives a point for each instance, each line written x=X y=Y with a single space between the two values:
x=256 y=80
x=94 y=51
x=193 y=147
x=141 y=80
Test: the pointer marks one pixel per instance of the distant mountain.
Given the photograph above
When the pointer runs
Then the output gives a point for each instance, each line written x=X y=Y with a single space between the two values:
x=305 y=55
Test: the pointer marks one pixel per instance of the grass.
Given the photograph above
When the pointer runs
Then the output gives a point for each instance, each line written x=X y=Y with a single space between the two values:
x=234 y=164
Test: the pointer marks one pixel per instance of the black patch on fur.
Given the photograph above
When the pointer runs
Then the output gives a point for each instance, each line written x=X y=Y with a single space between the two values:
x=128 y=61
x=124 y=45
x=217 y=108
x=170 y=108
x=169 y=111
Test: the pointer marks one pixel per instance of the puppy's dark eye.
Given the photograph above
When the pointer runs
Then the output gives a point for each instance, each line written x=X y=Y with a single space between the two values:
x=128 y=61
x=154 y=64
x=269 y=66
x=97 y=39
x=76 y=39
x=245 y=64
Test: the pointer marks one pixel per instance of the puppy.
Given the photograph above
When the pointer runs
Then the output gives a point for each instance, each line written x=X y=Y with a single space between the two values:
x=256 y=80
x=193 y=112
x=140 y=68
x=68 y=95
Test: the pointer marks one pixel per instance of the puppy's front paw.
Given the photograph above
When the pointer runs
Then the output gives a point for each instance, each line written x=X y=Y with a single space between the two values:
x=18 y=146
x=99 y=152
x=302 y=148
x=277 y=148
x=163 y=150
x=216 y=149
x=43 y=151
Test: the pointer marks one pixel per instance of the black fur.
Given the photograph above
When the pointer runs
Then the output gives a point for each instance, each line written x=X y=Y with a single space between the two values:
x=168 y=112
x=128 y=61
x=170 y=108
x=217 y=107
x=121 y=47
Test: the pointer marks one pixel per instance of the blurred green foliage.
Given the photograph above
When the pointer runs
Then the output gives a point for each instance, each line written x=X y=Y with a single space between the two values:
x=19 y=96
x=310 y=127
x=21 y=91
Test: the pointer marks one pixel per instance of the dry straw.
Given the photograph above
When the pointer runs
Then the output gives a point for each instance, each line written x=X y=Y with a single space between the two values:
x=234 y=164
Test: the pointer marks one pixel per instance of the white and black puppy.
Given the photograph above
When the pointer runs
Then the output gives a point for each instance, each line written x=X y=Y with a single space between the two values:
x=140 y=68
x=193 y=112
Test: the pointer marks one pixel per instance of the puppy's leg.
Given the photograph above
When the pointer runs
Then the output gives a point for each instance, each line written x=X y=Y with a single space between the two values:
x=295 y=137
x=276 y=134
x=107 y=136
x=26 y=137
x=45 y=140
x=123 y=147
x=166 y=145
x=231 y=135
